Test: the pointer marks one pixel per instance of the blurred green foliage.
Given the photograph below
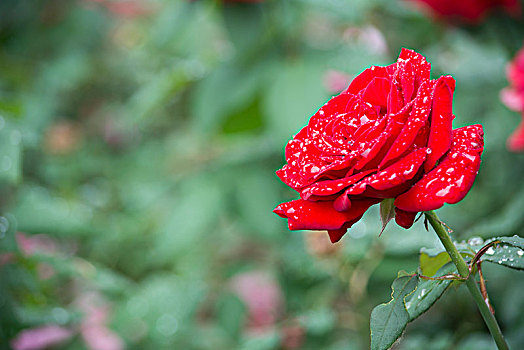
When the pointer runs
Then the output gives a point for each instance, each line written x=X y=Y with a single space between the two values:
x=138 y=144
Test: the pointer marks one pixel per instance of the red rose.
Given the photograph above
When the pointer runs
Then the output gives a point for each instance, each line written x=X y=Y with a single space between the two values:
x=513 y=97
x=388 y=135
x=469 y=10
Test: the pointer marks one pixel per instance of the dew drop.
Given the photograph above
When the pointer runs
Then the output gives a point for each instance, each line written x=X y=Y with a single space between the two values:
x=490 y=251
x=475 y=241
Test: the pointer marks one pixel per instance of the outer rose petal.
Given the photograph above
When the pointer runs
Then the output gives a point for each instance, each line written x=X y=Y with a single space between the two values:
x=404 y=218
x=516 y=140
x=451 y=180
x=308 y=215
x=441 y=118
x=362 y=80
x=421 y=67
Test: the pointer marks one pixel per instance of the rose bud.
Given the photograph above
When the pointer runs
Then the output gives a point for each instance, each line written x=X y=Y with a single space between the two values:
x=388 y=135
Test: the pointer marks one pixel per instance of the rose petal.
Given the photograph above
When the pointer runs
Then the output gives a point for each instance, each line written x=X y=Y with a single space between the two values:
x=329 y=187
x=421 y=67
x=395 y=102
x=387 y=183
x=441 y=117
x=415 y=122
x=381 y=145
x=377 y=92
x=451 y=180
x=407 y=81
x=307 y=215
x=404 y=218
x=362 y=80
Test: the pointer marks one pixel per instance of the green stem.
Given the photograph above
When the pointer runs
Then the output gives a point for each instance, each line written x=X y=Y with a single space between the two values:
x=463 y=270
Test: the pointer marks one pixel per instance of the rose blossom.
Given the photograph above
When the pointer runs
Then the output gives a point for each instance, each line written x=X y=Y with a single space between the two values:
x=469 y=10
x=513 y=98
x=388 y=135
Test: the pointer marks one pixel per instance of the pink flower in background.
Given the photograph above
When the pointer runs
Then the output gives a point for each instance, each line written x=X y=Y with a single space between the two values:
x=94 y=328
x=468 y=10
x=262 y=296
x=125 y=8
x=41 y=338
x=335 y=81
x=36 y=244
x=513 y=98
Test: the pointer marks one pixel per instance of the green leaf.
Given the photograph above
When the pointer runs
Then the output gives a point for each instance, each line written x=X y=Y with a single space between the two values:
x=509 y=252
x=430 y=264
x=387 y=212
x=428 y=292
x=388 y=321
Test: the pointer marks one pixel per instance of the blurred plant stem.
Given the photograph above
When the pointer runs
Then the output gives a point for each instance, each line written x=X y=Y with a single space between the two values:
x=463 y=269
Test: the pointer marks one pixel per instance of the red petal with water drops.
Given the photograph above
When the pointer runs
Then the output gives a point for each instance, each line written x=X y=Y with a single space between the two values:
x=451 y=180
x=441 y=117
x=395 y=102
x=383 y=142
x=405 y=218
x=362 y=80
x=394 y=175
x=307 y=215
x=421 y=67
x=407 y=81
x=416 y=120
x=387 y=183
x=377 y=92
x=329 y=187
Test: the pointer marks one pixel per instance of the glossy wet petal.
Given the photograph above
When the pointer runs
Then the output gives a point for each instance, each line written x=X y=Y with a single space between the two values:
x=441 y=117
x=404 y=218
x=308 y=215
x=451 y=180
x=329 y=187
x=377 y=92
x=415 y=122
x=421 y=67
x=362 y=80
x=386 y=183
x=407 y=80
